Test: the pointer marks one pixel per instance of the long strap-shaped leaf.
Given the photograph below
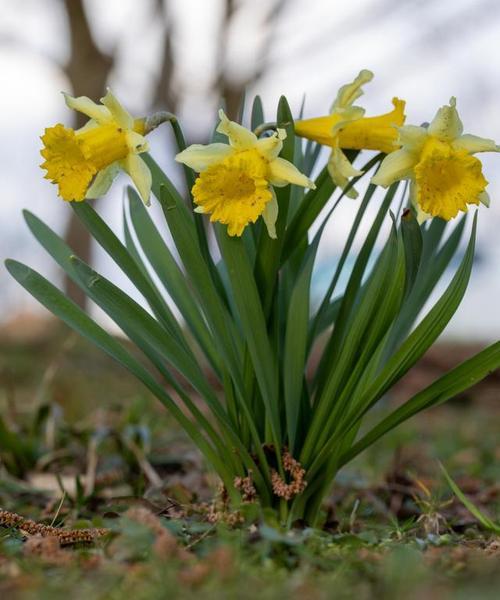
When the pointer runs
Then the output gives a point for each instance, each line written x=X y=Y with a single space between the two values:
x=253 y=322
x=226 y=335
x=424 y=334
x=171 y=276
x=117 y=251
x=295 y=345
x=142 y=329
x=450 y=385
x=55 y=301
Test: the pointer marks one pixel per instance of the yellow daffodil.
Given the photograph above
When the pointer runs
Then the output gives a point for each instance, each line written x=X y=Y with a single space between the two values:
x=83 y=163
x=346 y=128
x=438 y=161
x=234 y=185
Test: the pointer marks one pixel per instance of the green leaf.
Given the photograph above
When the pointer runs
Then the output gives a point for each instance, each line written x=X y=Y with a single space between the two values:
x=413 y=242
x=313 y=203
x=425 y=333
x=485 y=521
x=257 y=117
x=117 y=251
x=50 y=297
x=349 y=304
x=171 y=276
x=295 y=350
x=249 y=306
x=450 y=385
x=269 y=250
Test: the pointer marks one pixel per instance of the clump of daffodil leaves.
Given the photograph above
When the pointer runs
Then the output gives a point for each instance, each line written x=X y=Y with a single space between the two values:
x=287 y=378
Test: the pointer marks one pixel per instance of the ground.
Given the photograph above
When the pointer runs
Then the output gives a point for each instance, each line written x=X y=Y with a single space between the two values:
x=82 y=445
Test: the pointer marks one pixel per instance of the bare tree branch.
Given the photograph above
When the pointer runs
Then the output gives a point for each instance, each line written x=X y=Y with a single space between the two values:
x=165 y=96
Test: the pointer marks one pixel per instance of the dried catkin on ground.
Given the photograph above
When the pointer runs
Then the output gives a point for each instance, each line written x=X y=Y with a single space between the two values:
x=66 y=537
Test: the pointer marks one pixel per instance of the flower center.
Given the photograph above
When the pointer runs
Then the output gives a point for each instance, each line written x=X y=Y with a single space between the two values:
x=447 y=179
x=234 y=191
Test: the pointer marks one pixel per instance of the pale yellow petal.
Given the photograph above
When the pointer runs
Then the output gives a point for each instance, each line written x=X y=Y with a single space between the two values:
x=350 y=92
x=239 y=137
x=282 y=172
x=446 y=125
x=137 y=143
x=484 y=198
x=341 y=170
x=103 y=181
x=270 y=215
x=140 y=174
x=346 y=116
x=473 y=143
x=119 y=114
x=200 y=157
x=270 y=147
x=395 y=166
x=412 y=138
x=86 y=106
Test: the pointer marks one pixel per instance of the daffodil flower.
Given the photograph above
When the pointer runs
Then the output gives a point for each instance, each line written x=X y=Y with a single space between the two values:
x=235 y=180
x=346 y=128
x=83 y=163
x=438 y=161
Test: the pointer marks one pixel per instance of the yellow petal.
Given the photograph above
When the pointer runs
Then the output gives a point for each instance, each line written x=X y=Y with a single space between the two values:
x=446 y=125
x=473 y=143
x=350 y=92
x=374 y=133
x=412 y=138
x=395 y=166
x=87 y=107
x=341 y=170
x=271 y=146
x=239 y=137
x=270 y=215
x=140 y=174
x=120 y=115
x=199 y=157
x=282 y=172
x=136 y=142
x=103 y=181
x=447 y=180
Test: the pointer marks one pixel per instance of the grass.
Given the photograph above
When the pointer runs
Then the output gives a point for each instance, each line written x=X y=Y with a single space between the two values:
x=83 y=445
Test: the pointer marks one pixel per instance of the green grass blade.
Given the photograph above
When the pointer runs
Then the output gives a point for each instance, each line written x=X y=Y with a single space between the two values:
x=485 y=521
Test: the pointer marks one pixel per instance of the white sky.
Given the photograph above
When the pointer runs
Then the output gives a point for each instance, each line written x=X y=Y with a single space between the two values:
x=421 y=50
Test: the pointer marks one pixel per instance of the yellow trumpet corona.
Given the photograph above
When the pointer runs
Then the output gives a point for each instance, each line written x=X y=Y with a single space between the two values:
x=346 y=128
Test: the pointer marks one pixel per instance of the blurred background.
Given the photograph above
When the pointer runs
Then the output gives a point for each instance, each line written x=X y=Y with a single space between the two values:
x=188 y=56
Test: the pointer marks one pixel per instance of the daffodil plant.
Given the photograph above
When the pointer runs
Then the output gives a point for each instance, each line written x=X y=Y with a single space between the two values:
x=290 y=383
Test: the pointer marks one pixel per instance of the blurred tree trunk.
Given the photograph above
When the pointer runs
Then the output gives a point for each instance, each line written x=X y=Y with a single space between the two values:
x=87 y=69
